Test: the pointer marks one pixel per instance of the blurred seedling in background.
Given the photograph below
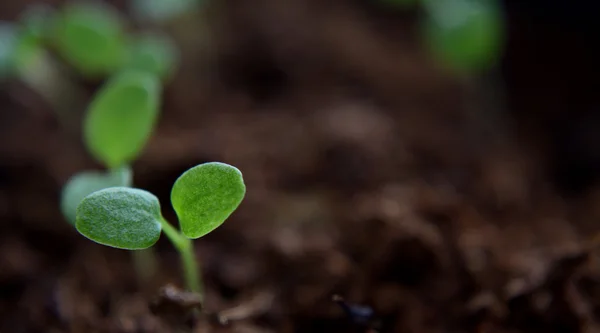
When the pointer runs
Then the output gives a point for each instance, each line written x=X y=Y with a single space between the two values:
x=203 y=197
x=92 y=40
x=46 y=47
x=466 y=36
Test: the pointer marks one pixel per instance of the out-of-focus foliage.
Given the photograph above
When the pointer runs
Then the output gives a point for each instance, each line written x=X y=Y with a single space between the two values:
x=8 y=40
x=153 y=53
x=37 y=20
x=466 y=35
x=91 y=37
x=121 y=117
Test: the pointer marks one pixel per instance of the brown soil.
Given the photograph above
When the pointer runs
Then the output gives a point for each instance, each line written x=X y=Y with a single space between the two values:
x=371 y=174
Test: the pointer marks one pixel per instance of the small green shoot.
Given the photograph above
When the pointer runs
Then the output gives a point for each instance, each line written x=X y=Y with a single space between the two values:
x=121 y=118
x=117 y=126
x=90 y=35
x=203 y=198
x=466 y=35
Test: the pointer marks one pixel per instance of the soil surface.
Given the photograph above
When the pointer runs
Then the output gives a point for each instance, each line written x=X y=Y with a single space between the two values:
x=441 y=202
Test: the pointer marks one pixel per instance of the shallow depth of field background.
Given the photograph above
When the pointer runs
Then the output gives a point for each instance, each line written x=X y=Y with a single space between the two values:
x=447 y=199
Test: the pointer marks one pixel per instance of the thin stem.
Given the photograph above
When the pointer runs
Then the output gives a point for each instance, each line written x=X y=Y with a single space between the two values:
x=185 y=247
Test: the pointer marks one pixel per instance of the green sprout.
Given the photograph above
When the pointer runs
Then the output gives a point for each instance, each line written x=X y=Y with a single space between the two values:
x=203 y=197
x=91 y=36
x=117 y=126
x=466 y=35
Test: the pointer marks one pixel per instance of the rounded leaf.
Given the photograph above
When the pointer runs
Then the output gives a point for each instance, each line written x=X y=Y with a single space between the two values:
x=91 y=37
x=121 y=118
x=464 y=34
x=120 y=217
x=204 y=196
x=154 y=53
x=87 y=182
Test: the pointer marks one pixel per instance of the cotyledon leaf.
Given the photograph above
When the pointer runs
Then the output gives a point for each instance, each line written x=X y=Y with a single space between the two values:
x=205 y=196
x=120 y=217
x=91 y=36
x=122 y=116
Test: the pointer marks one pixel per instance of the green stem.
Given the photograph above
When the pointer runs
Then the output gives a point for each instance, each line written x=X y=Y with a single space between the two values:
x=185 y=247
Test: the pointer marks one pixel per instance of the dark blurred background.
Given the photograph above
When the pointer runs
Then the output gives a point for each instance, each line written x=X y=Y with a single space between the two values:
x=446 y=200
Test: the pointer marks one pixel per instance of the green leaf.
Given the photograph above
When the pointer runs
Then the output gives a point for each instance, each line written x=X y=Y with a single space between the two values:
x=154 y=53
x=120 y=217
x=86 y=182
x=204 y=196
x=464 y=34
x=121 y=118
x=91 y=37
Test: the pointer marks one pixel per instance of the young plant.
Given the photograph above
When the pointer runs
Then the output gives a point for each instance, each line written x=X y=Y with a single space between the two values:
x=117 y=125
x=203 y=197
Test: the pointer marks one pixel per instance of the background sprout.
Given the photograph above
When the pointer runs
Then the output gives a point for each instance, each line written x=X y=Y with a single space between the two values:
x=153 y=53
x=122 y=117
x=464 y=34
x=117 y=125
x=125 y=218
x=90 y=36
x=87 y=182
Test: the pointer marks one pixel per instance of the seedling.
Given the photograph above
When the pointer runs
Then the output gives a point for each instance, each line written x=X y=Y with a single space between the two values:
x=90 y=36
x=118 y=123
x=203 y=197
x=465 y=35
